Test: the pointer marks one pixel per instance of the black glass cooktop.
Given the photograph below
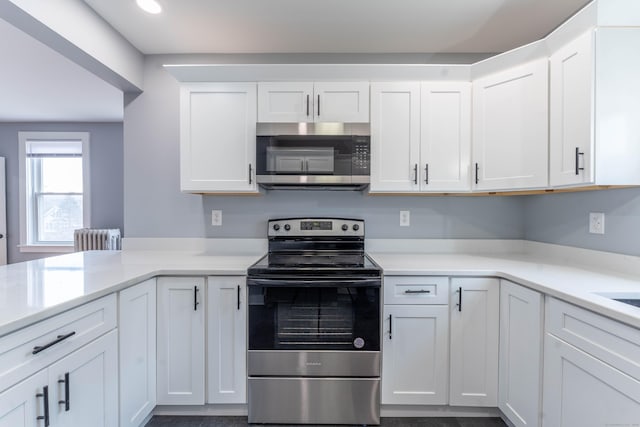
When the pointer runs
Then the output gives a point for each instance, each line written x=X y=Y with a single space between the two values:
x=315 y=262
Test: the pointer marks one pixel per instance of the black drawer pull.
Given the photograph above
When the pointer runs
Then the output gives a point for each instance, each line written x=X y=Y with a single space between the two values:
x=390 y=325
x=578 y=154
x=417 y=291
x=195 y=298
x=459 y=304
x=60 y=338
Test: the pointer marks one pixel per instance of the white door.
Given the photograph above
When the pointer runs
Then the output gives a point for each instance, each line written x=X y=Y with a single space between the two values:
x=227 y=339
x=180 y=341
x=137 y=333
x=345 y=102
x=217 y=137
x=85 y=385
x=571 y=91
x=521 y=319
x=23 y=404
x=510 y=128
x=474 y=306
x=415 y=356
x=445 y=141
x=3 y=213
x=395 y=137
x=580 y=390
x=288 y=102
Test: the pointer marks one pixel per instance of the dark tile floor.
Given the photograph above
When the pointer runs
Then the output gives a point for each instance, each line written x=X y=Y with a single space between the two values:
x=385 y=422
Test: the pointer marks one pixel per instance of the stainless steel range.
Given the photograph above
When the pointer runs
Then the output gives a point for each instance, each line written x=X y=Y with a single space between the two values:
x=314 y=326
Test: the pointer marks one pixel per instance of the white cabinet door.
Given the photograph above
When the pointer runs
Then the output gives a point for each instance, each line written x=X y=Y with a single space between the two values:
x=227 y=339
x=22 y=404
x=415 y=356
x=285 y=102
x=346 y=102
x=180 y=341
x=83 y=387
x=395 y=136
x=510 y=128
x=580 y=390
x=474 y=341
x=571 y=139
x=137 y=333
x=217 y=137
x=445 y=142
x=521 y=319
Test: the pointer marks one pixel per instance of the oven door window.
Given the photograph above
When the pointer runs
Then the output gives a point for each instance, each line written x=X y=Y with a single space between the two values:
x=308 y=318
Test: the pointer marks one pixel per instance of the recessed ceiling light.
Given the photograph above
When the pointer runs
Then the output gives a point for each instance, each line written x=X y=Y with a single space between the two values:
x=150 y=6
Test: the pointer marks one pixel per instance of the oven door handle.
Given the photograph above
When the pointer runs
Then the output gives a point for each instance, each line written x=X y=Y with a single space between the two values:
x=314 y=283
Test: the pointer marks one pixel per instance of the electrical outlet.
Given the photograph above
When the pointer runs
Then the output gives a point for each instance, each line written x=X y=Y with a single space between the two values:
x=596 y=223
x=405 y=218
x=216 y=218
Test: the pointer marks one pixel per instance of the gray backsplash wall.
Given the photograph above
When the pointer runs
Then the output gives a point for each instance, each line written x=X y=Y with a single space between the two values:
x=106 y=151
x=563 y=219
x=155 y=207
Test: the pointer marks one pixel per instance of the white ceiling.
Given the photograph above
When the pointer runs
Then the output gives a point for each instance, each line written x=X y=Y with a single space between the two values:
x=39 y=84
x=335 y=26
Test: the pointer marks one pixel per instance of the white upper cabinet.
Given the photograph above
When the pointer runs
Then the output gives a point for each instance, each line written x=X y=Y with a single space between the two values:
x=445 y=136
x=510 y=128
x=217 y=137
x=594 y=127
x=395 y=136
x=299 y=102
x=420 y=136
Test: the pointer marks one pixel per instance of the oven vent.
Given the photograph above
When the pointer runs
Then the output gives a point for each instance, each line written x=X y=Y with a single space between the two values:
x=93 y=239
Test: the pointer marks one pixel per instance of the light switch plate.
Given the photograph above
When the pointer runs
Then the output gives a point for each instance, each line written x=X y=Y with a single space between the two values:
x=596 y=223
x=216 y=218
x=405 y=218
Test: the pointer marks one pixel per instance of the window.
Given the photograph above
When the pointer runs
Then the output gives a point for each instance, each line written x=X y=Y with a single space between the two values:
x=54 y=184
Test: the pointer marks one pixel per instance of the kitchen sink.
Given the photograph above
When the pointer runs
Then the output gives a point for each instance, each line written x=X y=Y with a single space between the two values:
x=631 y=298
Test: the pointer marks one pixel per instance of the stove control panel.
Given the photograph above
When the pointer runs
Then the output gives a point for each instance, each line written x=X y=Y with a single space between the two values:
x=334 y=227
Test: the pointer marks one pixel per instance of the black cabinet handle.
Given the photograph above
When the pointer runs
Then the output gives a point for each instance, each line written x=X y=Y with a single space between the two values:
x=65 y=402
x=238 y=297
x=417 y=291
x=318 y=105
x=426 y=173
x=415 y=173
x=195 y=298
x=390 y=325
x=477 y=167
x=459 y=304
x=307 y=105
x=45 y=396
x=250 y=174
x=578 y=154
x=37 y=349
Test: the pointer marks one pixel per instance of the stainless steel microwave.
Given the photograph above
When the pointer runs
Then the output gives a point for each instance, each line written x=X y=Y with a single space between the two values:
x=332 y=162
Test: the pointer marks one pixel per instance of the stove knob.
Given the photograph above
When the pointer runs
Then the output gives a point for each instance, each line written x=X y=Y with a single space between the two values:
x=287 y=227
x=345 y=227
x=276 y=227
x=356 y=227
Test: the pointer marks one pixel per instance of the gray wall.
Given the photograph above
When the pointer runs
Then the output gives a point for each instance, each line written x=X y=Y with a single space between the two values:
x=155 y=207
x=563 y=219
x=106 y=151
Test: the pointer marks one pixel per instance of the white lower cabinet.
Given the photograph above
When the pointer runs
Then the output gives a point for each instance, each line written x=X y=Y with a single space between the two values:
x=415 y=356
x=79 y=390
x=83 y=387
x=180 y=341
x=474 y=341
x=227 y=339
x=520 y=360
x=137 y=327
x=591 y=369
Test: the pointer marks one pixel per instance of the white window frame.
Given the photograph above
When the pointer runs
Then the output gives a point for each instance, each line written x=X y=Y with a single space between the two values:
x=23 y=137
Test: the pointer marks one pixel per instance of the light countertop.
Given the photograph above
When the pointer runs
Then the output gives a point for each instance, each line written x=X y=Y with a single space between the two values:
x=35 y=290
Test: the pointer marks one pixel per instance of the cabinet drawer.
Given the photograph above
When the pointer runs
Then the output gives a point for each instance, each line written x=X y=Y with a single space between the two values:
x=416 y=290
x=82 y=325
x=608 y=340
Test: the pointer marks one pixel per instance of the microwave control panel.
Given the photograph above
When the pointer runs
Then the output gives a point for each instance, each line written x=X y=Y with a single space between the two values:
x=361 y=158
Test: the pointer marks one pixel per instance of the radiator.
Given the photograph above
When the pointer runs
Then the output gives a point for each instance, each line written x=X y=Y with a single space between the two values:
x=92 y=239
